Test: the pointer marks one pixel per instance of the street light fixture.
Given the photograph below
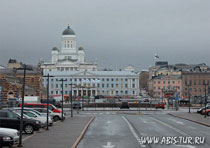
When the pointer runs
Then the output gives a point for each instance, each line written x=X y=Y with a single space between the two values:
x=188 y=85
x=70 y=95
x=205 y=84
x=62 y=96
x=24 y=68
x=48 y=86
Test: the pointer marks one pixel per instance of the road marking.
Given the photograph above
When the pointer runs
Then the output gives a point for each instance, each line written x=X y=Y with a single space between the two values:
x=108 y=122
x=177 y=130
x=133 y=132
x=188 y=146
x=109 y=145
x=24 y=139
x=179 y=122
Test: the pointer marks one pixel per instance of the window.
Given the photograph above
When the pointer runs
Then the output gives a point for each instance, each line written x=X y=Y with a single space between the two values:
x=116 y=85
x=116 y=79
x=126 y=79
x=56 y=86
x=126 y=85
x=112 y=85
x=103 y=79
x=194 y=82
x=133 y=85
x=11 y=115
x=158 y=87
x=102 y=85
x=154 y=82
x=107 y=79
x=126 y=92
x=173 y=82
x=158 y=82
x=164 y=82
x=51 y=92
x=107 y=85
x=168 y=82
x=133 y=80
x=112 y=79
x=98 y=85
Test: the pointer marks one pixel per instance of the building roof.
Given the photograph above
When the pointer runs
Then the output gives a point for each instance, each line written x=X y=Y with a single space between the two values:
x=89 y=73
x=68 y=31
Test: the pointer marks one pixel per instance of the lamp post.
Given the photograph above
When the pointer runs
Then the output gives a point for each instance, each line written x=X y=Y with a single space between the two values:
x=24 y=68
x=48 y=87
x=70 y=95
x=188 y=85
x=205 y=84
x=62 y=96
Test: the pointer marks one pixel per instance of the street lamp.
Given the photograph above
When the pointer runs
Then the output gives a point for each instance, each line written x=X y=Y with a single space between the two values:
x=70 y=95
x=205 y=84
x=24 y=68
x=188 y=85
x=48 y=87
x=62 y=95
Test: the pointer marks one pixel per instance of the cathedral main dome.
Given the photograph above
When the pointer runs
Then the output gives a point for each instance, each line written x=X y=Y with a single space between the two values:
x=68 y=31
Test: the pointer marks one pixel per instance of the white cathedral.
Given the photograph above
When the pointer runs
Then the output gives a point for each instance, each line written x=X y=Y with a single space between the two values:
x=69 y=57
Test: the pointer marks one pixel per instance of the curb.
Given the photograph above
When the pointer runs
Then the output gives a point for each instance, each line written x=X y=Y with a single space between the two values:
x=82 y=133
x=190 y=120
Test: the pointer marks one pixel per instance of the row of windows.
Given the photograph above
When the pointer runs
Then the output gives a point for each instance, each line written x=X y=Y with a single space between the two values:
x=94 y=85
x=90 y=79
x=164 y=82
x=168 y=87
x=197 y=82
x=103 y=92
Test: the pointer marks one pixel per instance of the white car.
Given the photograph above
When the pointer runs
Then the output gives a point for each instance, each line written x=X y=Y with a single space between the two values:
x=55 y=116
x=36 y=116
x=11 y=136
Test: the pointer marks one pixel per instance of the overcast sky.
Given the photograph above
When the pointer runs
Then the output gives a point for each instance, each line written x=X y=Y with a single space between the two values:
x=115 y=32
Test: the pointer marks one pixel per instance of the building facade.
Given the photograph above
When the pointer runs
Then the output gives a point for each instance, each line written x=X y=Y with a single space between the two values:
x=70 y=63
x=194 y=81
x=161 y=86
x=92 y=83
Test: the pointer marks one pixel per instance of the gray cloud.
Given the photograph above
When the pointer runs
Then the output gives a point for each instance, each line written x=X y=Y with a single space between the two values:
x=116 y=32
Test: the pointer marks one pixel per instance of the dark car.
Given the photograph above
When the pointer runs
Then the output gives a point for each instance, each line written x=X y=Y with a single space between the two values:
x=76 y=105
x=124 y=105
x=9 y=119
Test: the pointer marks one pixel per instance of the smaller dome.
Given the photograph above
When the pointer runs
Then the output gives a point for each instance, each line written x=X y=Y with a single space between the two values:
x=68 y=31
x=55 y=49
x=81 y=48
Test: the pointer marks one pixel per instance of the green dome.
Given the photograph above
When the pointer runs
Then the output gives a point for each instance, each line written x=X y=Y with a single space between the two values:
x=81 y=48
x=68 y=31
x=55 y=48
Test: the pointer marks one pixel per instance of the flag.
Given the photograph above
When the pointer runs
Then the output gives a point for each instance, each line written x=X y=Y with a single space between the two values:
x=157 y=56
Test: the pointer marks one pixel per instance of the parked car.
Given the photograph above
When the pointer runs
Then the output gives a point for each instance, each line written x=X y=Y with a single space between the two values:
x=36 y=115
x=200 y=110
x=41 y=105
x=160 y=105
x=207 y=112
x=124 y=105
x=55 y=116
x=76 y=105
x=8 y=137
x=9 y=119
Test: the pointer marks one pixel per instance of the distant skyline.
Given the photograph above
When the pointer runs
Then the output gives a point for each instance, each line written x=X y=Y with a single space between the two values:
x=115 y=33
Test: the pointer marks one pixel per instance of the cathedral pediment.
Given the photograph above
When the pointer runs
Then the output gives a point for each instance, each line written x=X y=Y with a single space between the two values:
x=86 y=73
